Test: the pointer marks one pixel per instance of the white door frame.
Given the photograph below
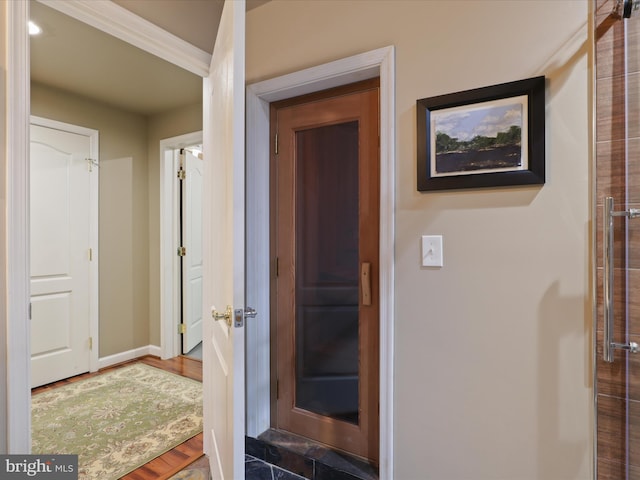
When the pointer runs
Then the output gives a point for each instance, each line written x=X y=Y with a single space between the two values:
x=348 y=70
x=15 y=434
x=94 y=311
x=169 y=225
x=15 y=320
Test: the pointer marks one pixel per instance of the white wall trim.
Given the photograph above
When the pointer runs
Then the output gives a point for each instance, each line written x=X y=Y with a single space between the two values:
x=131 y=28
x=169 y=264
x=380 y=63
x=110 y=360
x=18 y=334
x=94 y=278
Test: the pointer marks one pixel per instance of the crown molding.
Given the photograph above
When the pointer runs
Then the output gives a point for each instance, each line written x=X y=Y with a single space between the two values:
x=131 y=28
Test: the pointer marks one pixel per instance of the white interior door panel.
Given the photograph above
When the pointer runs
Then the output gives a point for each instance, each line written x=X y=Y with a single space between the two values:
x=224 y=247
x=60 y=257
x=192 y=260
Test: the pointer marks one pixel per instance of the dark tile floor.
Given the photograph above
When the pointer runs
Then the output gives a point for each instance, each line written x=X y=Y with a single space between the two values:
x=308 y=459
x=256 y=469
x=283 y=456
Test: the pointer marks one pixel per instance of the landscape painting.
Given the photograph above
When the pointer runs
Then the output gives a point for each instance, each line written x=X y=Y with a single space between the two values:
x=483 y=138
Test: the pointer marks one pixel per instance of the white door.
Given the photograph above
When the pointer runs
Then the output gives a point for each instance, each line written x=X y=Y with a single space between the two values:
x=192 y=259
x=224 y=247
x=60 y=258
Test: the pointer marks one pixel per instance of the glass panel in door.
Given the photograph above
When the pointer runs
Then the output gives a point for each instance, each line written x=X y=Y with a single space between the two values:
x=327 y=271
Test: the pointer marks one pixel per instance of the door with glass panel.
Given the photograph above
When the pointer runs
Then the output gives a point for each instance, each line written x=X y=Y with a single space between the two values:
x=617 y=177
x=326 y=234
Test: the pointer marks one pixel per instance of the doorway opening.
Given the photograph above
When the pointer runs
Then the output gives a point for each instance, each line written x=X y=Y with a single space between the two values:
x=172 y=239
x=17 y=376
x=371 y=64
x=190 y=248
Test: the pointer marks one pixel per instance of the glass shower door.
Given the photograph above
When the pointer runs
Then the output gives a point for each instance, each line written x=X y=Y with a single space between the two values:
x=617 y=176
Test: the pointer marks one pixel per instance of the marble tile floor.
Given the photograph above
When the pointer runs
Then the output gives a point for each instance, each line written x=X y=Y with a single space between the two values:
x=256 y=469
x=306 y=458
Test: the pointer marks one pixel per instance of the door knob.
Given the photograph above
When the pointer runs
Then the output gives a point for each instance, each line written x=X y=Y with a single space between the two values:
x=226 y=316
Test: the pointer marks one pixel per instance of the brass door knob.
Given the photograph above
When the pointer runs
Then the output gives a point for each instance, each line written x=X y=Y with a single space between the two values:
x=228 y=313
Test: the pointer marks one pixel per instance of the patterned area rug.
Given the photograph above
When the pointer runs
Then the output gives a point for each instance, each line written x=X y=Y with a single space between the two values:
x=117 y=421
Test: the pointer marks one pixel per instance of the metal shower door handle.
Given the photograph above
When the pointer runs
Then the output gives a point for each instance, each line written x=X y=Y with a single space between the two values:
x=609 y=345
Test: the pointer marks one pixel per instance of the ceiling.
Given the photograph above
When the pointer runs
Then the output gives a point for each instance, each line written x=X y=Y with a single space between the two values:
x=72 y=56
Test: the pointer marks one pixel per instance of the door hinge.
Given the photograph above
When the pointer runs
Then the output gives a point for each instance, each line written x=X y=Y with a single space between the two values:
x=30 y=305
x=277 y=389
x=182 y=251
x=90 y=343
x=275 y=141
x=277 y=267
x=182 y=174
x=182 y=328
x=91 y=162
x=90 y=254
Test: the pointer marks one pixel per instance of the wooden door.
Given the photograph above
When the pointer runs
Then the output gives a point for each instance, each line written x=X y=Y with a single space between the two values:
x=326 y=227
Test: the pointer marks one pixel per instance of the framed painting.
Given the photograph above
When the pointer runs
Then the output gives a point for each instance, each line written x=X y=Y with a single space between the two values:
x=486 y=137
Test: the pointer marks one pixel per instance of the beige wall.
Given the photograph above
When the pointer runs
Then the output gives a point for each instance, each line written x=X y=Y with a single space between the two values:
x=123 y=224
x=169 y=124
x=129 y=209
x=492 y=351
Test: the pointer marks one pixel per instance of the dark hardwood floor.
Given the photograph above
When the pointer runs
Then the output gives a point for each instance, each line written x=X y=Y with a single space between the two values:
x=179 y=457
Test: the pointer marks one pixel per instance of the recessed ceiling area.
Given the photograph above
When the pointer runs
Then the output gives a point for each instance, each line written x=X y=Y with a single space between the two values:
x=74 y=57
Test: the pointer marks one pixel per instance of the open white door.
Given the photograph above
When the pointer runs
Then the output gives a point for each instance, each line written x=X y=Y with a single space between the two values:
x=192 y=259
x=224 y=248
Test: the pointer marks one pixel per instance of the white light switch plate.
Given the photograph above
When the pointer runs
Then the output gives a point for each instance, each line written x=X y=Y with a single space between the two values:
x=432 y=250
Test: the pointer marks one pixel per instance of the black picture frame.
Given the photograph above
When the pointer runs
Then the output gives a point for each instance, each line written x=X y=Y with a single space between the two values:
x=453 y=153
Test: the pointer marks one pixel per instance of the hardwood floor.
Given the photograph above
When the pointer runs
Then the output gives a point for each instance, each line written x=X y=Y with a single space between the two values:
x=177 y=458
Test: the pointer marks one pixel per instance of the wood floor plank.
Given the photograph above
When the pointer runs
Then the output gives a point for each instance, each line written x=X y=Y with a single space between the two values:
x=176 y=459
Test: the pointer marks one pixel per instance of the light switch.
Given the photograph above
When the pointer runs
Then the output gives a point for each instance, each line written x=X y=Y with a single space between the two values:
x=432 y=250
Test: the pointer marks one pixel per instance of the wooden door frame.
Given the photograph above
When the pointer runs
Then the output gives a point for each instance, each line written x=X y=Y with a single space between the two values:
x=376 y=63
x=169 y=264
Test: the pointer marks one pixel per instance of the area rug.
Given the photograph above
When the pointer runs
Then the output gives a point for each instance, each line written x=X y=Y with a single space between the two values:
x=117 y=421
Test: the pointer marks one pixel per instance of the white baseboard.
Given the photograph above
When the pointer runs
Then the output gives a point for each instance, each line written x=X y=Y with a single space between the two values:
x=104 y=362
